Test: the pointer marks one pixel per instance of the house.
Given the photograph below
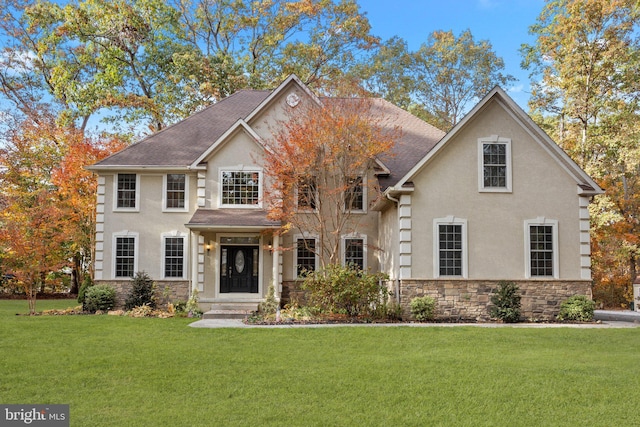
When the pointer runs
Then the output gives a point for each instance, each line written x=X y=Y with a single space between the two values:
x=493 y=199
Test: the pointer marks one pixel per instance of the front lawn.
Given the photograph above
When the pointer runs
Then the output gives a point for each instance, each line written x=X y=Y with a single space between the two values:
x=121 y=371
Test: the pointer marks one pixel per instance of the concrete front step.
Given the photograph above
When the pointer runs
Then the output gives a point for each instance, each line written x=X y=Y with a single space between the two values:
x=226 y=314
x=230 y=310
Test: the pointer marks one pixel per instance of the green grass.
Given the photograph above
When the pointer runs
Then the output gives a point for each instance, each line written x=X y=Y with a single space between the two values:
x=116 y=371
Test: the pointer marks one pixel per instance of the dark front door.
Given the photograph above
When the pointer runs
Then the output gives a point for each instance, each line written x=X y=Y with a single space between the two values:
x=239 y=269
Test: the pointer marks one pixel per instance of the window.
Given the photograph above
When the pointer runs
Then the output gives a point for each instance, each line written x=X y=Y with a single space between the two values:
x=494 y=169
x=305 y=256
x=175 y=191
x=307 y=194
x=450 y=247
x=354 y=195
x=354 y=251
x=240 y=188
x=541 y=236
x=127 y=195
x=174 y=256
x=125 y=256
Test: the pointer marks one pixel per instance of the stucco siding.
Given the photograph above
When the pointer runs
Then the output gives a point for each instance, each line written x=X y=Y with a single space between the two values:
x=448 y=186
x=147 y=224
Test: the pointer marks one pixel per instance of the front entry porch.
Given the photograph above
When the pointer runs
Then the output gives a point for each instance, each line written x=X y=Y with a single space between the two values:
x=235 y=258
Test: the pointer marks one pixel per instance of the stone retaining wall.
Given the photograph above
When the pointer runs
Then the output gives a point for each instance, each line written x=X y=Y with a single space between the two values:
x=178 y=290
x=470 y=299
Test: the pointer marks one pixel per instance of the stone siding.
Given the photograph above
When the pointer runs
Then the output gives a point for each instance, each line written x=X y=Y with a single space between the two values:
x=178 y=290
x=471 y=300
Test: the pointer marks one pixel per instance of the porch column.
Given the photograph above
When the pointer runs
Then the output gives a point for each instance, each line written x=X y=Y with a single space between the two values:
x=275 y=266
x=197 y=261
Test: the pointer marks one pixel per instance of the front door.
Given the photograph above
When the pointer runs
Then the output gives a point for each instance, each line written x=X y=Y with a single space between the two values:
x=239 y=269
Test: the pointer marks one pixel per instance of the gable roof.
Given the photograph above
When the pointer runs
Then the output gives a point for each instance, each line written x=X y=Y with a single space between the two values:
x=179 y=145
x=587 y=186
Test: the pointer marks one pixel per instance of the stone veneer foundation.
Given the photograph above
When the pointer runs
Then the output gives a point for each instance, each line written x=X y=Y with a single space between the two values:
x=471 y=300
x=178 y=290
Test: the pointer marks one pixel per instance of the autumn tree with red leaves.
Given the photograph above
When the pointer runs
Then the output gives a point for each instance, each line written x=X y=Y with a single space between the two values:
x=320 y=162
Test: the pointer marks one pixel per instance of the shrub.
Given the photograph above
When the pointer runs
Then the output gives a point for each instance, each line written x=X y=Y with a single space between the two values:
x=142 y=292
x=86 y=284
x=344 y=290
x=270 y=305
x=577 y=308
x=506 y=301
x=423 y=308
x=193 y=308
x=99 y=297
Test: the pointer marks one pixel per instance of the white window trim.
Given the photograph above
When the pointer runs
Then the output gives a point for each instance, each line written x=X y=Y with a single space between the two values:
x=174 y=233
x=343 y=248
x=124 y=233
x=115 y=193
x=164 y=193
x=527 y=246
x=365 y=194
x=241 y=168
x=450 y=220
x=295 y=251
x=494 y=139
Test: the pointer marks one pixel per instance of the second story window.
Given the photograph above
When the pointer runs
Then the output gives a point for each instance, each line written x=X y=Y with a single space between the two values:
x=126 y=191
x=240 y=188
x=176 y=191
x=494 y=164
x=354 y=195
x=307 y=194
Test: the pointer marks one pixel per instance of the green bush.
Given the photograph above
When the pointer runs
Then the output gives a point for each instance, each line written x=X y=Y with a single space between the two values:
x=577 y=308
x=423 y=308
x=344 y=290
x=99 y=297
x=506 y=301
x=142 y=292
x=270 y=305
x=86 y=284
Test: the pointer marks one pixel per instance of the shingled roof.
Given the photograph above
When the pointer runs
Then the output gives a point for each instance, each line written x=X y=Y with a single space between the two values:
x=181 y=144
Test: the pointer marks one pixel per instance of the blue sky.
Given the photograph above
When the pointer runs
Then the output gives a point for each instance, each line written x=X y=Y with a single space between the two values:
x=505 y=23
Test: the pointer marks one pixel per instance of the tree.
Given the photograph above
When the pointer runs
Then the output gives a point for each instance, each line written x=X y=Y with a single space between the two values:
x=452 y=73
x=586 y=59
x=319 y=163
x=48 y=212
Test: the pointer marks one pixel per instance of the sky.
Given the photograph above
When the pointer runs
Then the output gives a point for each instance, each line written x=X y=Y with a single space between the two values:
x=504 y=23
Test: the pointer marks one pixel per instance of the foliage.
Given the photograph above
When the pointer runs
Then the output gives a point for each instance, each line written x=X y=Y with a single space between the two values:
x=142 y=292
x=577 y=308
x=423 y=308
x=192 y=307
x=316 y=155
x=86 y=284
x=585 y=59
x=99 y=297
x=269 y=305
x=345 y=290
x=151 y=62
x=506 y=302
x=453 y=72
